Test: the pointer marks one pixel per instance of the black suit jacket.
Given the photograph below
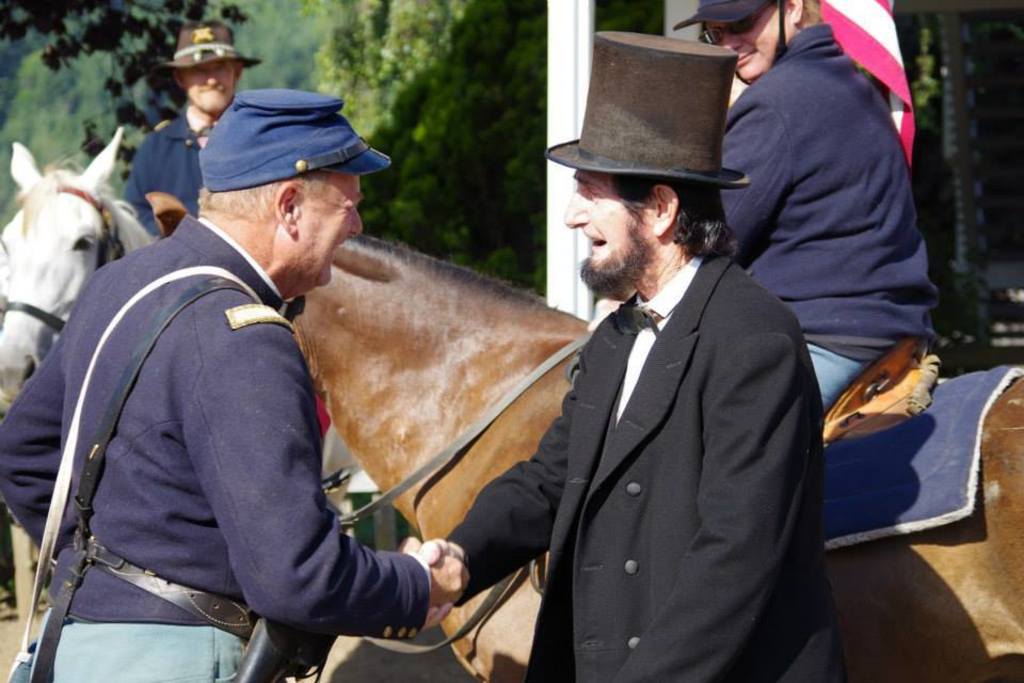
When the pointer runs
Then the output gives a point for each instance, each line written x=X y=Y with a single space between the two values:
x=686 y=542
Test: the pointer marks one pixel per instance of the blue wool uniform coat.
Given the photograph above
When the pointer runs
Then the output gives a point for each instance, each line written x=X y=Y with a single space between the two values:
x=686 y=542
x=212 y=479
x=828 y=223
x=167 y=161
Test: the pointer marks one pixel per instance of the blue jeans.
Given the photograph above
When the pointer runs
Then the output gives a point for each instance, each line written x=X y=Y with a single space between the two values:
x=93 y=652
x=834 y=373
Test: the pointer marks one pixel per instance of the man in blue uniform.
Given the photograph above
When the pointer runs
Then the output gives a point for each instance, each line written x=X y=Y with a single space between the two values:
x=211 y=479
x=207 y=68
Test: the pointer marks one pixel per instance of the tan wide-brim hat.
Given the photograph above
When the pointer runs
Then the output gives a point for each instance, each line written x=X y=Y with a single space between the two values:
x=200 y=42
x=656 y=108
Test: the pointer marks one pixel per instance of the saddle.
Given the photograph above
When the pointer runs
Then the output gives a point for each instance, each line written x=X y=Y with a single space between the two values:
x=894 y=388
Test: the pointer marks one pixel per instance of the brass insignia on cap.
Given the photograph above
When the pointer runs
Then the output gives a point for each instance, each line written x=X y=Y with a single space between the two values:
x=203 y=34
x=253 y=314
x=301 y=165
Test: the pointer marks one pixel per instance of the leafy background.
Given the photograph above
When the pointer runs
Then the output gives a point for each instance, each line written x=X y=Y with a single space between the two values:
x=453 y=90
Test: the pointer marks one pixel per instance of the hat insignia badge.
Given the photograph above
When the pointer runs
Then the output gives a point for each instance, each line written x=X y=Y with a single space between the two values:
x=203 y=34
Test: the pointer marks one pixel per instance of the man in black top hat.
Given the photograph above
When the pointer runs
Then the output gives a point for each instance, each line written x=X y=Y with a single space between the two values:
x=679 y=492
x=207 y=67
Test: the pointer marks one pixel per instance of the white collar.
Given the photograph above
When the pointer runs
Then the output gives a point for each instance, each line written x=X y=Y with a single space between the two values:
x=241 y=250
x=666 y=300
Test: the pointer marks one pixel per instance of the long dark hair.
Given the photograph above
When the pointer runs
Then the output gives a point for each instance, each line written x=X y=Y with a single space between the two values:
x=700 y=227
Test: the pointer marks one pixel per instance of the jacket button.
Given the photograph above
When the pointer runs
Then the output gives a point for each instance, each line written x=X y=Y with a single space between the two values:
x=632 y=567
x=633 y=488
x=388 y=631
x=401 y=632
x=633 y=642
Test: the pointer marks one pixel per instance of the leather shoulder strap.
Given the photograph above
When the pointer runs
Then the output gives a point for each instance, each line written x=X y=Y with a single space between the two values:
x=62 y=485
x=92 y=469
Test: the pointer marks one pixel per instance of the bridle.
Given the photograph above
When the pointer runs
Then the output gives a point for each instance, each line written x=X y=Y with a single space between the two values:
x=108 y=249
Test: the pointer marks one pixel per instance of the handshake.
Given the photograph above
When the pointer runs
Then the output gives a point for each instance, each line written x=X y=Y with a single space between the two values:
x=448 y=574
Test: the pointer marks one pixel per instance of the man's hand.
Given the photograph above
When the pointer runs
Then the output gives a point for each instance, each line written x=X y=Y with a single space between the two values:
x=448 y=574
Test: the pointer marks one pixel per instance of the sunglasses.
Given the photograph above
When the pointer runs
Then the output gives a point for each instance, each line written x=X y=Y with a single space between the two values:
x=713 y=35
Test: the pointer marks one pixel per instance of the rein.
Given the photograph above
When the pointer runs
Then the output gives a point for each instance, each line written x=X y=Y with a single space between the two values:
x=466 y=438
x=502 y=590
x=108 y=249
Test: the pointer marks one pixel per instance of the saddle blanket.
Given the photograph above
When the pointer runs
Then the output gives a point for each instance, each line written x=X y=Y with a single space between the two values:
x=919 y=474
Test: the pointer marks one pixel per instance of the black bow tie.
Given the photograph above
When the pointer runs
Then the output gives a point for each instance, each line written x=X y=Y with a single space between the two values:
x=631 y=317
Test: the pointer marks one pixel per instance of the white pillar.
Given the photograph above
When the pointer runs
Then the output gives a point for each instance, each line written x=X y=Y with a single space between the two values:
x=676 y=11
x=570 y=39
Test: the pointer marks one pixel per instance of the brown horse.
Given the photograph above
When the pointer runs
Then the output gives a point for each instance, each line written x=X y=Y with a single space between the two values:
x=409 y=351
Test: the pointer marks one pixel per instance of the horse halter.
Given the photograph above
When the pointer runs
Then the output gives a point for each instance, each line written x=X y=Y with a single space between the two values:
x=109 y=248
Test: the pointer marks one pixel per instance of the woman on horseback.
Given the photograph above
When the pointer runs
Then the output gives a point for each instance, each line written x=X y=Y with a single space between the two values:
x=828 y=221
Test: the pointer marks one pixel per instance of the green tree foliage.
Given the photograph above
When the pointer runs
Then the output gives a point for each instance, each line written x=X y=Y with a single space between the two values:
x=468 y=135
x=48 y=111
x=51 y=111
x=378 y=47
x=286 y=37
x=135 y=34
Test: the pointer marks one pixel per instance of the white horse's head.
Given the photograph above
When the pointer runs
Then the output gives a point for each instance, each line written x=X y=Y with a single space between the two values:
x=67 y=227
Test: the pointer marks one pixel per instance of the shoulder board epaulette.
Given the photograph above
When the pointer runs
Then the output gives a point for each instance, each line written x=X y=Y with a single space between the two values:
x=163 y=124
x=253 y=314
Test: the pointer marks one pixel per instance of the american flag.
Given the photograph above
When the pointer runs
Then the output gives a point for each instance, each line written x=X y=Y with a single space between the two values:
x=866 y=31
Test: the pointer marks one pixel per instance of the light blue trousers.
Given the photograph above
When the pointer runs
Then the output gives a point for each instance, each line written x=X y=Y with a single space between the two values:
x=834 y=373
x=91 y=652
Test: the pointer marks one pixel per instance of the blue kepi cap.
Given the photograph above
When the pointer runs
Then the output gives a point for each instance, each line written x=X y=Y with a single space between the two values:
x=269 y=135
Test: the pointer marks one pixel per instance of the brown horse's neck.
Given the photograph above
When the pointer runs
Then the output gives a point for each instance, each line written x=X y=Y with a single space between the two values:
x=409 y=351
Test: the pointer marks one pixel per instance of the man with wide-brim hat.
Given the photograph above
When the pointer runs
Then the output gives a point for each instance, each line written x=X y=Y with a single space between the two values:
x=679 y=492
x=207 y=67
x=828 y=224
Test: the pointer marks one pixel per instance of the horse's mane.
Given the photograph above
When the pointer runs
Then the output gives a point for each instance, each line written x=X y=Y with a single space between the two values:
x=132 y=232
x=468 y=281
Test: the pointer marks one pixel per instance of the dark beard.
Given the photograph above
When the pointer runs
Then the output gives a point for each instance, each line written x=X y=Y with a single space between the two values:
x=616 y=278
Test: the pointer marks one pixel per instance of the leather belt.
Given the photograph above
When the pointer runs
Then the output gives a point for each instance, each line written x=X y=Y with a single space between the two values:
x=217 y=610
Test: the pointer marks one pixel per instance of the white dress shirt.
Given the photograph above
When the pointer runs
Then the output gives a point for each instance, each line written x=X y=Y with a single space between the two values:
x=241 y=250
x=663 y=303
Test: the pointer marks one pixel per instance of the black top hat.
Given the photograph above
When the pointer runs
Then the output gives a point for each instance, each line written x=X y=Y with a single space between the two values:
x=656 y=108
x=722 y=11
x=200 y=42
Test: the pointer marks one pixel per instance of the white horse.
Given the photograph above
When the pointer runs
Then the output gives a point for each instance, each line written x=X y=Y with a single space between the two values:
x=67 y=227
